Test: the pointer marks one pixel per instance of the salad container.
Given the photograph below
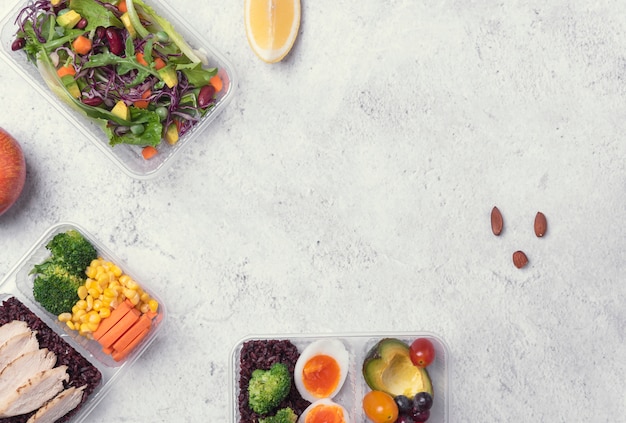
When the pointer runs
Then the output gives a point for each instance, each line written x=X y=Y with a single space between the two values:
x=18 y=284
x=351 y=394
x=127 y=157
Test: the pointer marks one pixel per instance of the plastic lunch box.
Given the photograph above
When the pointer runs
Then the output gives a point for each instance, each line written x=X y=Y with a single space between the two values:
x=127 y=157
x=19 y=284
x=355 y=388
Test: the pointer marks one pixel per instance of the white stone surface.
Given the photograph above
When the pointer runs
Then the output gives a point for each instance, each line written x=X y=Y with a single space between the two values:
x=348 y=189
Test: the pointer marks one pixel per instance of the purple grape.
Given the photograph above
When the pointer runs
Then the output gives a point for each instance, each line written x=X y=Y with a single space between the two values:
x=422 y=401
x=405 y=418
x=421 y=416
x=404 y=404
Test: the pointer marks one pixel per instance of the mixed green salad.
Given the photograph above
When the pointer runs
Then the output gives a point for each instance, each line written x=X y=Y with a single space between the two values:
x=120 y=63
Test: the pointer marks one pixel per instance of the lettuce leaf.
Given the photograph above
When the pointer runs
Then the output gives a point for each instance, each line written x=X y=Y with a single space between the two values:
x=96 y=14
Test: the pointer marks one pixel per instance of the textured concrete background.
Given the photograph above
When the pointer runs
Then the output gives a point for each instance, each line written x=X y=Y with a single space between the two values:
x=348 y=189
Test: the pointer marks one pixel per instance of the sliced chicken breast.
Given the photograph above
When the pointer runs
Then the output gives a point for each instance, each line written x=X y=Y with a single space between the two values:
x=11 y=329
x=16 y=346
x=59 y=406
x=35 y=392
x=20 y=370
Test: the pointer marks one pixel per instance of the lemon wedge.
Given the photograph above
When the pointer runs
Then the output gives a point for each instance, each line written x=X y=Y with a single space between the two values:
x=272 y=27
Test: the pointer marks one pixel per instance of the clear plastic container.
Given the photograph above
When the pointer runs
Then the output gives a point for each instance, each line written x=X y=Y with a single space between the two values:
x=358 y=345
x=19 y=284
x=127 y=157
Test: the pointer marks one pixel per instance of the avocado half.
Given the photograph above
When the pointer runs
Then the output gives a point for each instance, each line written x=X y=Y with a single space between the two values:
x=387 y=367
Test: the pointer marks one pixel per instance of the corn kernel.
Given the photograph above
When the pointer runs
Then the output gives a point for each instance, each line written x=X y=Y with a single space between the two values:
x=70 y=325
x=114 y=303
x=94 y=318
x=92 y=326
x=145 y=297
x=78 y=315
x=154 y=305
x=97 y=304
x=82 y=292
x=90 y=271
x=135 y=299
x=81 y=304
x=90 y=301
x=129 y=293
x=131 y=284
x=116 y=271
x=84 y=328
x=124 y=279
x=109 y=293
x=104 y=312
x=144 y=308
x=65 y=317
x=94 y=292
x=75 y=309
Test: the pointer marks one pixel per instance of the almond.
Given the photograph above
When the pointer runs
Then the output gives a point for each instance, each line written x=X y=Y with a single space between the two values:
x=496 y=221
x=541 y=224
x=519 y=259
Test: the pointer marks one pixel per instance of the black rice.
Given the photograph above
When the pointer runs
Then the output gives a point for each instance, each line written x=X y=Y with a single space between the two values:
x=261 y=354
x=80 y=370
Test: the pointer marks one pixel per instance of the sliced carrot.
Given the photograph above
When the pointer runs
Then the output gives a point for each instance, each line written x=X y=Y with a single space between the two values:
x=159 y=63
x=119 y=355
x=82 y=45
x=108 y=351
x=149 y=152
x=140 y=325
x=66 y=70
x=151 y=314
x=109 y=322
x=217 y=83
x=143 y=104
x=140 y=58
x=122 y=6
x=120 y=328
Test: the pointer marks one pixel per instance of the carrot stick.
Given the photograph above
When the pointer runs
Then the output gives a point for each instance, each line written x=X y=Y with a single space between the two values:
x=66 y=70
x=143 y=104
x=217 y=83
x=120 y=327
x=132 y=332
x=140 y=58
x=159 y=63
x=122 y=6
x=149 y=152
x=119 y=355
x=82 y=44
x=110 y=321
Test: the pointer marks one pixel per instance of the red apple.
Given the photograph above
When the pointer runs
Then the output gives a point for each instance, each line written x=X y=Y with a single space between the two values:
x=12 y=170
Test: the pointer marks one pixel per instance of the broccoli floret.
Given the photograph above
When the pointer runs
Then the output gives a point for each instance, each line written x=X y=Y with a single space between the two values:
x=72 y=251
x=284 y=415
x=56 y=289
x=267 y=388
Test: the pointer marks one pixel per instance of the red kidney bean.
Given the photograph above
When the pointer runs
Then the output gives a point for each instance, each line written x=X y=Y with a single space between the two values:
x=82 y=23
x=18 y=44
x=101 y=32
x=116 y=44
x=205 y=96
x=94 y=101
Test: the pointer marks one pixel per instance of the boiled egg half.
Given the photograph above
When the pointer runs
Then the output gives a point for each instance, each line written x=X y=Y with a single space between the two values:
x=321 y=369
x=324 y=411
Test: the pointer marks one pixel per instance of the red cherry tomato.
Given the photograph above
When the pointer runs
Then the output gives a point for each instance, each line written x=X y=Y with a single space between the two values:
x=422 y=352
x=380 y=407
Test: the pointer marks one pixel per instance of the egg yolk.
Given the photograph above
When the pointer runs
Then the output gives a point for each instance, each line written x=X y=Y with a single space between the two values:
x=320 y=375
x=325 y=414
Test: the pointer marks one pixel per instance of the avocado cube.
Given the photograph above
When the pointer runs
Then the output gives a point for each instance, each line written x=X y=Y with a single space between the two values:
x=69 y=19
x=70 y=83
x=121 y=110
x=169 y=76
x=171 y=135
